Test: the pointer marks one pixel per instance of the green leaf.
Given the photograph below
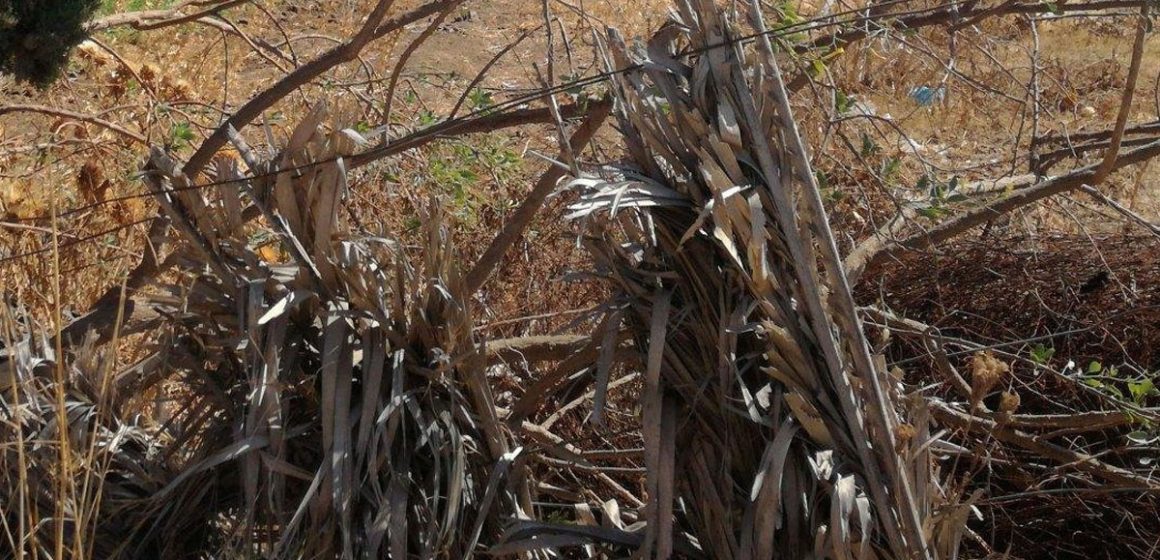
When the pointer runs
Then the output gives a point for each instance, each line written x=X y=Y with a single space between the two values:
x=817 y=68
x=181 y=134
x=932 y=212
x=183 y=131
x=869 y=148
x=1041 y=354
x=842 y=102
x=479 y=99
x=468 y=176
x=1141 y=389
x=573 y=89
x=1094 y=367
x=890 y=168
x=1140 y=437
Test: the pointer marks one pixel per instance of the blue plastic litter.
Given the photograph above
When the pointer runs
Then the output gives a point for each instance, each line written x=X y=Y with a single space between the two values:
x=926 y=95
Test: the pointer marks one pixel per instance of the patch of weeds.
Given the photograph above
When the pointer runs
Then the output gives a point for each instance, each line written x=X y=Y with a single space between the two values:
x=1112 y=381
x=457 y=170
x=939 y=193
x=890 y=168
x=574 y=89
x=180 y=135
x=480 y=100
x=842 y=102
x=1041 y=354
x=453 y=174
x=787 y=18
x=830 y=194
x=869 y=146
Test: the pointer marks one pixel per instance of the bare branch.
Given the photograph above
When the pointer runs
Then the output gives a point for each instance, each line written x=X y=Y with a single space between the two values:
x=483 y=71
x=291 y=82
x=1126 y=101
x=65 y=113
x=485 y=123
x=1017 y=199
x=867 y=27
x=535 y=348
x=410 y=50
x=1126 y=212
x=877 y=247
x=1036 y=444
x=156 y=19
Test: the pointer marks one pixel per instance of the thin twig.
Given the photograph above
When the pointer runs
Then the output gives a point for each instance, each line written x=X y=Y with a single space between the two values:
x=1127 y=213
x=1036 y=444
x=410 y=50
x=1017 y=199
x=290 y=83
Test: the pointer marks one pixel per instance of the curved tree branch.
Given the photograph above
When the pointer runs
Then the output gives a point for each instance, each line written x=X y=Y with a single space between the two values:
x=64 y=113
x=290 y=83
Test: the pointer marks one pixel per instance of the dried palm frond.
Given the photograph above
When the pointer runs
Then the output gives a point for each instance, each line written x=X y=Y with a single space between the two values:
x=727 y=276
x=333 y=404
x=356 y=420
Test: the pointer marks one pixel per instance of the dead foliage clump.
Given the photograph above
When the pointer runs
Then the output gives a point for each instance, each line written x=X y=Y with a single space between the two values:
x=334 y=403
x=726 y=275
x=1057 y=334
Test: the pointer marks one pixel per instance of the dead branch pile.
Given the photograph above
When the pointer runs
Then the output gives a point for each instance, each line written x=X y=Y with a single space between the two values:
x=1070 y=324
x=1088 y=298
